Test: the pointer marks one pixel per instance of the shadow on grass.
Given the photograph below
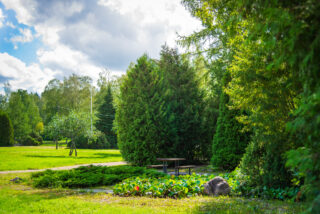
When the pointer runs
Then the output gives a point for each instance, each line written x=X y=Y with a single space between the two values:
x=96 y=156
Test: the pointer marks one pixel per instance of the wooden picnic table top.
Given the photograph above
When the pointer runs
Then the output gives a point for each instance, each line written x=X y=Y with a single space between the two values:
x=170 y=159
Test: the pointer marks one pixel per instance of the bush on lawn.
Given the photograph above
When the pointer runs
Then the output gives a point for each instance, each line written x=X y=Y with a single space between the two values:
x=98 y=141
x=90 y=176
x=37 y=137
x=6 y=130
x=29 y=141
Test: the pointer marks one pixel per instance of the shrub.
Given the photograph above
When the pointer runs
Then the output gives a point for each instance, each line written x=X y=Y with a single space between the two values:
x=6 y=130
x=90 y=176
x=37 y=137
x=98 y=141
x=29 y=141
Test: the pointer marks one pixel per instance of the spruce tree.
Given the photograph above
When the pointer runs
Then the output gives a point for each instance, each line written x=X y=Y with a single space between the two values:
x=229 y=143
x=6 y=130
x=106 y=116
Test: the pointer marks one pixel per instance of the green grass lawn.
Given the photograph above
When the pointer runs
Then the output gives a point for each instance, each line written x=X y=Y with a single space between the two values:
x=46 y=156
x=21 y=198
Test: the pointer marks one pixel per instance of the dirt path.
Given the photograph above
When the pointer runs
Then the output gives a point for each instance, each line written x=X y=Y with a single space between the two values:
x=66 y=167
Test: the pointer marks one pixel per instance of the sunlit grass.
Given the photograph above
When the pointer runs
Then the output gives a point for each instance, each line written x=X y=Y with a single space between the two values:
x=40 y=157
x=21 y=198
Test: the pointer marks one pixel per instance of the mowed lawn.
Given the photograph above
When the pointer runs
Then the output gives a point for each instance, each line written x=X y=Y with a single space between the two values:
x=23 y=198
x=40 y=157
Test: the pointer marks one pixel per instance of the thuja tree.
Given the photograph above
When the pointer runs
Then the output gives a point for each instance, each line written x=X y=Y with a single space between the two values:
x=183 y=106
x=136 y=105
x=105 y=118
x=159 y=110
x=6 y=130
x=230 y=139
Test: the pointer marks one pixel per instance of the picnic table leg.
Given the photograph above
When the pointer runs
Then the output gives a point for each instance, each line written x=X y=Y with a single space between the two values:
x=165 y=167
x=176 y=170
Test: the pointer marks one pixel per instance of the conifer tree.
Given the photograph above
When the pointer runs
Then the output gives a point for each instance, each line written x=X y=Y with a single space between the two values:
x=6 y=130
x=106 y=116
x=136 y=129
x=229 y=143
x=184 y=105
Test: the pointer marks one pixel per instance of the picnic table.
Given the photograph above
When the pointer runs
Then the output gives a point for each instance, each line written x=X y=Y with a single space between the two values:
x=165 y=164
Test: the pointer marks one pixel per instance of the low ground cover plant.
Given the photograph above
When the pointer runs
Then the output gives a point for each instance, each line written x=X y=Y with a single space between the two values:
x=90 y=176
x=192 y=185
x=169 y=186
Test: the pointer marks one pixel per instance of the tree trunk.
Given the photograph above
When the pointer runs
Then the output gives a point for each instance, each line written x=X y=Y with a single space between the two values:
x=75 y=149
x=71 y=148
x=56 y=144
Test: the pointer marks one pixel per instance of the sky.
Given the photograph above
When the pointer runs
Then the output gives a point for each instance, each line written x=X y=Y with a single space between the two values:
x=45 y=39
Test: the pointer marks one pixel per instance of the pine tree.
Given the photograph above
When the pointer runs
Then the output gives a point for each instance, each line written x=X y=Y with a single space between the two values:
x=229 y=143
x=6 y=130
x=106 y=116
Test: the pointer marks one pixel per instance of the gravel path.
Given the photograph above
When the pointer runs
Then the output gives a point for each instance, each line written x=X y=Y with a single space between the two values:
x=66 y=167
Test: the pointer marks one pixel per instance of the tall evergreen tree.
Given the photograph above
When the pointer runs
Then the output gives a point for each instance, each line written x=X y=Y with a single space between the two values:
x=229 y=143
x=105 y=118
x=6 y=130
x=136 y=129
x=184 y=105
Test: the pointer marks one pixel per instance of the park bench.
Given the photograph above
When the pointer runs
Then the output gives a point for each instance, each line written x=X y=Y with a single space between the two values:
x=184 y=167
x=155 y=166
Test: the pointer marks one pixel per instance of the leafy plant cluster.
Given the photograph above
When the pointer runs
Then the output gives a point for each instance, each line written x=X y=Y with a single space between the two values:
x=169 y=186
x=89 y=176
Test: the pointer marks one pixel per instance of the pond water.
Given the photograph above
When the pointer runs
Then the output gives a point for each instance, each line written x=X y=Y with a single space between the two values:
x=94 y=190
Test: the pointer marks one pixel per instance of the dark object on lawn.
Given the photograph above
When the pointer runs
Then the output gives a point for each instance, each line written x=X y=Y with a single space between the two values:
x=16 y=180
x=217 y=186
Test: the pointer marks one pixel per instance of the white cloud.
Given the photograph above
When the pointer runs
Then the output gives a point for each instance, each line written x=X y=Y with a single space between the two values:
x=1 y=18
x=83 y=36
x=31 y=77
x=9 y=24
x=26 y=36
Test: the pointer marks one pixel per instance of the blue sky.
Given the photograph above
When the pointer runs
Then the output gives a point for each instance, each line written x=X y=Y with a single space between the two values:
x=25 y=51
x=41 y=40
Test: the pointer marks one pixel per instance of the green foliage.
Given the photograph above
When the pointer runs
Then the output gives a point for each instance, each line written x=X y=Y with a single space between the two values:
x=173 y=187
x=182 y=105
x=137 y=131
x=159 y=111
x=89 y=176
x=37 y=137
x=6 y=130
x=105 y=118
x=95 y=141
x=274 y=72
x=62 y=97
x=230 y=140
x=29 y=141
x=23 y=112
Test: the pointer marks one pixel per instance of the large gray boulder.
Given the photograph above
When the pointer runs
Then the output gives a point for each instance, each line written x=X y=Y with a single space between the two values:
x=217 y=186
